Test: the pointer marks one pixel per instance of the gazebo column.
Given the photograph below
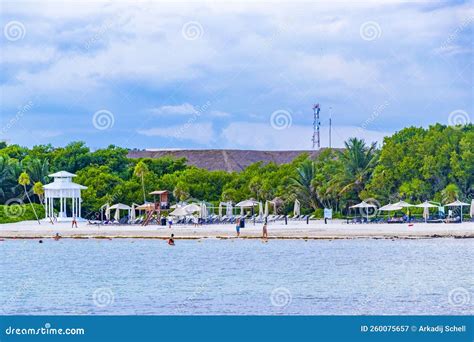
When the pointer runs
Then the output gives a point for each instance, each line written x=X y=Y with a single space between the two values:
x=73 y=206
x=46 y=207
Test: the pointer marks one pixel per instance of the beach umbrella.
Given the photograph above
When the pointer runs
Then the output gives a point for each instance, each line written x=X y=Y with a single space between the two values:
x=203 y=210
x=403 y=204
x=390 y=207
x=472 y=209
x=117 y=207
x=426 y=209
x=457 y=203
x=179 y=212
x=296 y=208
x=106 y=206
x=260 y=209
x=266 y=209
x=192 y=208
x=132 y=212
x=246 y=204
x=186 y=210
x=220 y=209
x=364 y=205
x=228 y=209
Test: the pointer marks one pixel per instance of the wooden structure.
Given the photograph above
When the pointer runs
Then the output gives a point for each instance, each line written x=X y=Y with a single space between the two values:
x=160 y=203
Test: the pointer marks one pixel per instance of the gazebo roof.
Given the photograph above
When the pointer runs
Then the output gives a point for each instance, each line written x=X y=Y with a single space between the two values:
x=64 y=186
x=62 y=181
x=62 y=174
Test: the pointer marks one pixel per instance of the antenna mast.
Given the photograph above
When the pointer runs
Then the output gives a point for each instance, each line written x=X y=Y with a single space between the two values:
x=316 y=124
x=330 y=126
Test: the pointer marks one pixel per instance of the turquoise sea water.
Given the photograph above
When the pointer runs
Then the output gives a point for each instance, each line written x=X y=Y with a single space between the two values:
x=243 y=277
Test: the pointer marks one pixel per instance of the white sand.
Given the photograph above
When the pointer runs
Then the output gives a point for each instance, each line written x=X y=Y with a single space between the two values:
x=315 y=230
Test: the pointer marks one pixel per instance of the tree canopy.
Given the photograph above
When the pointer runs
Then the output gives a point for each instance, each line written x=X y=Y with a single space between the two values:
x=414 y=164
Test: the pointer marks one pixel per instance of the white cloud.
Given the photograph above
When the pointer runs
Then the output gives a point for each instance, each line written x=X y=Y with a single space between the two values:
x=201 y=133
x=219 y=114
x=296 y=137
x=183 y=109
x=251 y=58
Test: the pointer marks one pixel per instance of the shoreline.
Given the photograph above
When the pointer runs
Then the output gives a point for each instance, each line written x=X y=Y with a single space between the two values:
x=316 y=230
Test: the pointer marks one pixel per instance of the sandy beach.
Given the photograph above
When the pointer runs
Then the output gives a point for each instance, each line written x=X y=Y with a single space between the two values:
x=337 y=229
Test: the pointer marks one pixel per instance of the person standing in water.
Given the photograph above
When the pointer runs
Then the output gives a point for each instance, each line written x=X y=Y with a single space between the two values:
x=237 y=227
x=57 y=237
x=265 y=232
x=171 y=240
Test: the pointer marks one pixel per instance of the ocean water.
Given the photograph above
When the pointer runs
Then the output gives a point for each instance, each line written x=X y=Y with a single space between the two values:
x=242 y=277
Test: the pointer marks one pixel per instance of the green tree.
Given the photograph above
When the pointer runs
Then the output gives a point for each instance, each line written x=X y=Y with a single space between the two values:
x=38 y=190
x=24 y=180
x=302 y=183
x=358 y=160
x=181 y=191
x=140 y=171
x=450 y=193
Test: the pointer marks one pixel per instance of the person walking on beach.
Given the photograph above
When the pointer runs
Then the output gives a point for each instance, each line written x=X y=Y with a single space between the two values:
x=237 y=227
x=265 y=232
x=171 y=240
x=170 y=222
x=74 y=222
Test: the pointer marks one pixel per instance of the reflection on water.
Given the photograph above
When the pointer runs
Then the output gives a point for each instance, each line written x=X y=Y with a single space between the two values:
x=243 y=277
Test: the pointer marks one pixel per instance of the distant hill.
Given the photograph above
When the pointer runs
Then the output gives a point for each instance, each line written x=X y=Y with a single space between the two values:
x=228 y=160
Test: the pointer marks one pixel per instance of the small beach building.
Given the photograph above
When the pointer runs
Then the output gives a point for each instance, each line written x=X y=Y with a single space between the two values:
x=67 y=193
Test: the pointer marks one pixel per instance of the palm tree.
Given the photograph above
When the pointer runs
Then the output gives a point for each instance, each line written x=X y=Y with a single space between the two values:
x=141 y=169
x=450 y=193
x=181 y=191
x=358 y=160
x=38 y=190
x=302 y=183
x=38 y=170
x=24 y=180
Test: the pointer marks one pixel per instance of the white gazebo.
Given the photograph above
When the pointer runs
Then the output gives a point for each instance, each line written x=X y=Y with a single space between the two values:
x=64 y=189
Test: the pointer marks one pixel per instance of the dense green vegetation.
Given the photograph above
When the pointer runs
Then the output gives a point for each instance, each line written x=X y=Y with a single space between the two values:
x=15 y=212
x=414 y=164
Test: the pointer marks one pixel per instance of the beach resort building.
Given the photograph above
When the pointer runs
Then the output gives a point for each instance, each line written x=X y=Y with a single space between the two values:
x=67 y=193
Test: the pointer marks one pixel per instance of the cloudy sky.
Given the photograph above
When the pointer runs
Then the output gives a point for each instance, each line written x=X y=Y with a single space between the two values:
x=239 y=75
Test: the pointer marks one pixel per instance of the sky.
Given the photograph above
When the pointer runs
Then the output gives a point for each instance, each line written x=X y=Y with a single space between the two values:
x=240 y=75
